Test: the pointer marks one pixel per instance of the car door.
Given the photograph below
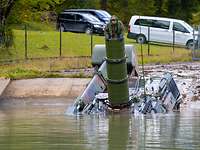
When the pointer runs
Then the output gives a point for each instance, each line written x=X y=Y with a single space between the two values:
x=181 y=33
x=68 y=21
x=160 y=31
x=81 y=23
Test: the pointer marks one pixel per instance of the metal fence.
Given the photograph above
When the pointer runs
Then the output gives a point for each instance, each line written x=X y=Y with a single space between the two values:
x=196 y=47
x=30 y=44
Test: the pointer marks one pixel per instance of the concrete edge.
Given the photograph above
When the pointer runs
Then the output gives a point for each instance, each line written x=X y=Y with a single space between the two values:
x=46 y=87
x=3 y=85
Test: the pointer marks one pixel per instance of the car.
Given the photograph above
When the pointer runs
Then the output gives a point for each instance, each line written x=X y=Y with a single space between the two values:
x=102 y=15
x=160 y=29
x=79 y=22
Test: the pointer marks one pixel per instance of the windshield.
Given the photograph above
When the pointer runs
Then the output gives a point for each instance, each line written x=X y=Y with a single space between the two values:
x=105 y=13
x=91 y=18
x=100 y=14
x=188 y=26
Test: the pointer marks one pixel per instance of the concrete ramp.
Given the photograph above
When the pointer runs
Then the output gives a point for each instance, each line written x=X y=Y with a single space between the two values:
x=43 y=87
x=3 y=84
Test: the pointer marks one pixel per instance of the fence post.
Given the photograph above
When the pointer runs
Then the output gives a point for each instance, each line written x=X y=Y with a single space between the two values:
x=91 y=42
x=173 y=40
x=148 y=40
x=193 y=48
x=198 y=44
x=198 y=38
x=25 y=43
x=60 y=40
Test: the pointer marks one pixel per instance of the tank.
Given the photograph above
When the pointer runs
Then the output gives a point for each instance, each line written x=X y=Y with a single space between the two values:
x=99 y=54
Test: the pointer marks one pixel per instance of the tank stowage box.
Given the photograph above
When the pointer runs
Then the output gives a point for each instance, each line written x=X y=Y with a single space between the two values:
x=99 y=54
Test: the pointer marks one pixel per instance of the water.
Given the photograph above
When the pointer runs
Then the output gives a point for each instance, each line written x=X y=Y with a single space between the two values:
x=40 y=124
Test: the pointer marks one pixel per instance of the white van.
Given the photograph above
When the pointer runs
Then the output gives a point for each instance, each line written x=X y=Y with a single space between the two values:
x=161 y=30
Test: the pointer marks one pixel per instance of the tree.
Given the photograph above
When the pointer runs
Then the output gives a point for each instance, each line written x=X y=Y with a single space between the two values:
x=196 y=17
x=103 y=4
x=32 y=10
x=5 y=8
x=182 y=9
x=6 y=37
x=67 y=4
x=161 y=8
x=140 y=7
x=21 y=10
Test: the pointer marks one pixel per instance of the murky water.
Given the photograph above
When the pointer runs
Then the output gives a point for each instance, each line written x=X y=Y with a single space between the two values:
x=40 y=124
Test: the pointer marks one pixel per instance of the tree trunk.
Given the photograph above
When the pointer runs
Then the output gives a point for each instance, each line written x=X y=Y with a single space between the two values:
x=125 y=8
x=6 y=36
x=103 y=4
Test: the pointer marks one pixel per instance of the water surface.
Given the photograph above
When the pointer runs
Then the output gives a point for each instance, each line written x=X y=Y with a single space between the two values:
x=40 y=124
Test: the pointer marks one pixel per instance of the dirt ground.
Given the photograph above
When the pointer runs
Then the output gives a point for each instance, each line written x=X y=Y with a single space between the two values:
x=186 y=75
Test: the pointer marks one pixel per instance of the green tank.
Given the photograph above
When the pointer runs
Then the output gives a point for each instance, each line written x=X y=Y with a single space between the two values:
x=117 y=79
x=99 y=54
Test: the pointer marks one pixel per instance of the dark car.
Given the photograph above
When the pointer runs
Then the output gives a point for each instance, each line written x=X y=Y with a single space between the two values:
x=79 y=22
x=102 y=15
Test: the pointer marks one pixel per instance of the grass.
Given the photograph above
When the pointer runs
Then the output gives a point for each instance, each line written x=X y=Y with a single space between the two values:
x=43 y=68
x=47 y=44
x=19 y=73
x=44 y=44
x=35 y=26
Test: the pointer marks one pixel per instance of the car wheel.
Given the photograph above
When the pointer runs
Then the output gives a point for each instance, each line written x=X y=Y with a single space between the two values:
x=88 y=31
x=190 y=44
x=141 y=39
x=62 y=29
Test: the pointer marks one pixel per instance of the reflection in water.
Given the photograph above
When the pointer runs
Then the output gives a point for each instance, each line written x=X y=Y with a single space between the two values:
x=118 y=131
x=41 y=124
x=95 y=131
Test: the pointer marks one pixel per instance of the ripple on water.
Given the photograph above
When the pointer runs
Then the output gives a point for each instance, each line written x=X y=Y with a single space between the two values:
x=39 y=124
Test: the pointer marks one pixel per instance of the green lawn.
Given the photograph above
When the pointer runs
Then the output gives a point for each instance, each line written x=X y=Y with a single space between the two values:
x=43 y=44
x=47 y=44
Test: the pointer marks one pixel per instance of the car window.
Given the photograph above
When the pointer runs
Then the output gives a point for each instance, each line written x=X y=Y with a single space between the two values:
x=105 y=13
x=91 y=17
x=160 y=24
x=188 y=27
x=178 y=27
x=143 y=22
x=67 y=16
x=102 y=14
x=153 y=23
x=89 y=12
x=79 y=18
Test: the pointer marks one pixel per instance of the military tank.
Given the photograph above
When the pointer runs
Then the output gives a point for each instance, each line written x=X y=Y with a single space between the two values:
x=161 y=96
x=117 y=85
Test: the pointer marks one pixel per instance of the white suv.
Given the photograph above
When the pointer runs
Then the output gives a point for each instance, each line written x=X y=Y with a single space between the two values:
x=161 y=30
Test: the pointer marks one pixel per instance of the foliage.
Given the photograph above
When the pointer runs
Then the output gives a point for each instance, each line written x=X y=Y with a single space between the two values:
x=7 y=39
x=182 y=9
x=69 y=4
x=196 y=18
x=46 y=10
x=6 y=36
x=34 y=10
x=124 y=9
